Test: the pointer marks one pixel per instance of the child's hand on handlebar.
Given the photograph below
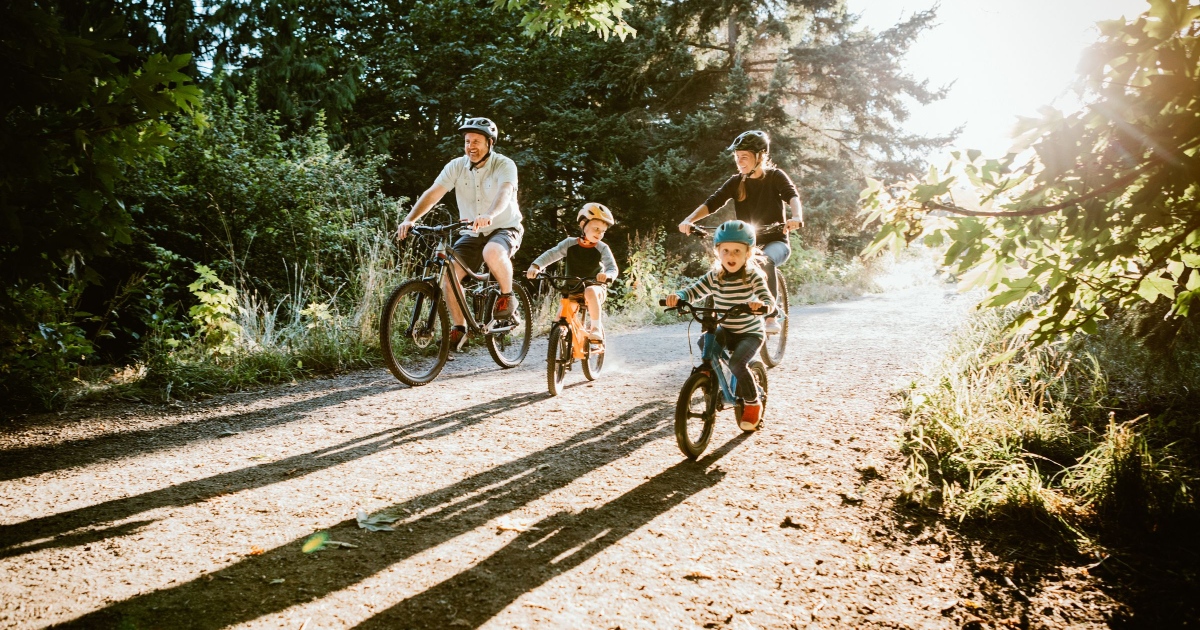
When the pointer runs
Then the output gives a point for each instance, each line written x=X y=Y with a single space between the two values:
x=601 y=277
x=672 y=300
x=756 y=307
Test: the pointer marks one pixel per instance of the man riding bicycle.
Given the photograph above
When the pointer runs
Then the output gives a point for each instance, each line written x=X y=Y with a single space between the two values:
x=485 y=185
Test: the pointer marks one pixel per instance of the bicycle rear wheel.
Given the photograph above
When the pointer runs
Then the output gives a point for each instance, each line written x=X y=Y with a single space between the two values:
x=775 y=345
x=558 y=358
x=696 y=413
x=510 y=344
x=593 y=361
x=414 y=332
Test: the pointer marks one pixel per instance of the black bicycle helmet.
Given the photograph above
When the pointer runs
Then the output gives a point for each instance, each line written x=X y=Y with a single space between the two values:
x=754 y=141
x=481 y=125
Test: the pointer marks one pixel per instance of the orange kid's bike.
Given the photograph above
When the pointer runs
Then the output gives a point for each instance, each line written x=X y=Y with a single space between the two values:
x=568 y=337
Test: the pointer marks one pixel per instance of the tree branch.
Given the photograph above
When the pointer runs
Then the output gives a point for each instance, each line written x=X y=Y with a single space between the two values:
x=1037 y=210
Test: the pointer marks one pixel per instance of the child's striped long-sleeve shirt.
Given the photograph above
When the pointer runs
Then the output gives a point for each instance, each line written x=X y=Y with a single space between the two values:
x=729 y=292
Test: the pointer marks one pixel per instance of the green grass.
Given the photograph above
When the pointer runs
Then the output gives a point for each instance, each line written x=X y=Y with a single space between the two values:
x=1089 y=435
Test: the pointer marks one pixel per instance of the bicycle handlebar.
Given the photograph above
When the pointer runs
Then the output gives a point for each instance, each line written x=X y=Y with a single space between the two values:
x=720 y=314
x=560 y=282
x=435 y=229
x=704 y=231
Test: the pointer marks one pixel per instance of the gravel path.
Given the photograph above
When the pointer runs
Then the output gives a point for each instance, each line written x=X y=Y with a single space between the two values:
x=516 y=510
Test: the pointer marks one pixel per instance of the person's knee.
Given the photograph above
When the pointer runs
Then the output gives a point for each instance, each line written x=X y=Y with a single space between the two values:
x=495 y=252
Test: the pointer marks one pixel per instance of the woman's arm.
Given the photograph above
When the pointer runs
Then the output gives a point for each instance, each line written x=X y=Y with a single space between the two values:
x=699 y=213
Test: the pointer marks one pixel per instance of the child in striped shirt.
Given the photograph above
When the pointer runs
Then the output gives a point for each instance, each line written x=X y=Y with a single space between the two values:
x=736 y=279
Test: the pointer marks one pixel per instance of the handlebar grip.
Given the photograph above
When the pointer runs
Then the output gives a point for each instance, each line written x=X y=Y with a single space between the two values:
x=662 y=302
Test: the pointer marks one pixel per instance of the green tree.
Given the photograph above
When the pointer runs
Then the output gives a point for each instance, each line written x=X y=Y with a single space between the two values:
x=79 y=106
x=1101 y=214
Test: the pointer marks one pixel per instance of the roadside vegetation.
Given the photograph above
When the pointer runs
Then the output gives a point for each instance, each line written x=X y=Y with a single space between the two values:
x=1096 y=434
x=1072 y=398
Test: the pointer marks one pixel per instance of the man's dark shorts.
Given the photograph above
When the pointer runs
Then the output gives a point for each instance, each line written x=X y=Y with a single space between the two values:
x=471 y=247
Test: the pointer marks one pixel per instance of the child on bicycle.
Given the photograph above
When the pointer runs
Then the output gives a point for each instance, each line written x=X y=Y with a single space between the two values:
x=736 y=279
x=586 y=256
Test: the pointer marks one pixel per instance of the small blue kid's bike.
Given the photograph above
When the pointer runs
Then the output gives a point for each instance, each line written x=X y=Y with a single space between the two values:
x=711 y=385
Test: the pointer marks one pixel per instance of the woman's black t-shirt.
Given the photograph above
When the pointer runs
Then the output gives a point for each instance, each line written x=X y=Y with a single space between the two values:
x=764 y=202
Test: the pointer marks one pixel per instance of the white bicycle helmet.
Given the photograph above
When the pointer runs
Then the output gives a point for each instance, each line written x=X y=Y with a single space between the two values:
x=592 y=210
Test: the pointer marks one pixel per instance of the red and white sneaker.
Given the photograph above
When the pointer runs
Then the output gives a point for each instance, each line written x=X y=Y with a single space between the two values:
x=505 y=306
x=458 y=338
x=751 y=416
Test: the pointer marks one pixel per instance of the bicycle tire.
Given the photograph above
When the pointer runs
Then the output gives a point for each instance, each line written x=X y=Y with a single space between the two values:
x=696 y=405
x=508 y=348
x=558 y=357
x=593 y=360
x=774 y=346
x=413 y=351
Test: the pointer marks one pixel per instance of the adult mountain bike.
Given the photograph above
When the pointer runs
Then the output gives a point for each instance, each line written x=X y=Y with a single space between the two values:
x=568 y=340
x=774 y=345
x=711 y=386
x=414 y=328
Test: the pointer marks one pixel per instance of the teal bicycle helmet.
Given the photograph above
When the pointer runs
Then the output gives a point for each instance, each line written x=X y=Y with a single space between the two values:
x=735 y=232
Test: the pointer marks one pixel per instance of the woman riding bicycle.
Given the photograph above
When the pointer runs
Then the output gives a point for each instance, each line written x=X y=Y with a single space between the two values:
x=735 y=280
x=760 y=192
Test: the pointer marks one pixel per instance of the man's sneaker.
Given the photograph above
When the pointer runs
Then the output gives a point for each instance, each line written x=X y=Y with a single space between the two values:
x=751 y=414
x=505 y=306
x=458 y=338
x=772 y=326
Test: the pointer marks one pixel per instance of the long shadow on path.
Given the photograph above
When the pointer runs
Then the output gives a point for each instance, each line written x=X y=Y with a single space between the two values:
x=234 y=595
x=13 y=537
x=556 y=545
x=16 y=463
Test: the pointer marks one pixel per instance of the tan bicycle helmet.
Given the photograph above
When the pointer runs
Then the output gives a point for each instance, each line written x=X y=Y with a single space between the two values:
x=592 y=210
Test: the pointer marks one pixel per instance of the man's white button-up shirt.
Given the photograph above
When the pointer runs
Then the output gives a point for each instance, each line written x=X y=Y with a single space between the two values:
x=476 y=189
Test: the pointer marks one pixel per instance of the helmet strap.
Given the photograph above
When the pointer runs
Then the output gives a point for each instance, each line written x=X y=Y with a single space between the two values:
x=475 y=165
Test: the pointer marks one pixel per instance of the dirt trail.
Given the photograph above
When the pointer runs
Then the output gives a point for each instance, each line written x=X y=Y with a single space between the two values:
x=516 y=510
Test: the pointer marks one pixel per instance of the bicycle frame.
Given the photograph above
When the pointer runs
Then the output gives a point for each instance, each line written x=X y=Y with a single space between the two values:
x=443 y=254
x=716 y=357
x=570 y=313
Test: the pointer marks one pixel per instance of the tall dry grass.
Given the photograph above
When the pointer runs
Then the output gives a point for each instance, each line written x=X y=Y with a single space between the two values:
x=1049 y=435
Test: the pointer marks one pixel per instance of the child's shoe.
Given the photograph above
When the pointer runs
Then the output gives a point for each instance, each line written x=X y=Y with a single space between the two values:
x=751 y=415
x=772 y=326
x=595 y=333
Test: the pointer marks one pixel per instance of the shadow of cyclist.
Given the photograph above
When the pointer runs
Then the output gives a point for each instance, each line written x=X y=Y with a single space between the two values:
x=554 y=546
x=442 y=515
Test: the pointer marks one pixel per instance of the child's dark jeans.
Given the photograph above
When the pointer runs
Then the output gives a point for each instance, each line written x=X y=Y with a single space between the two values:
x=742 y=350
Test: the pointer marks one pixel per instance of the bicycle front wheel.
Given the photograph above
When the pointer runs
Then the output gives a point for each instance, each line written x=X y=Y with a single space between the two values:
x=510 y=343
x=414 y=332
x=558 y=358
x=696 y=413
x=774 y=345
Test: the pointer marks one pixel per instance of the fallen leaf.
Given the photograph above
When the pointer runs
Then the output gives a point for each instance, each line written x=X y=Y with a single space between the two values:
x=698 y=575
x=276 y=581
x=255 y=550
x=376 y=523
